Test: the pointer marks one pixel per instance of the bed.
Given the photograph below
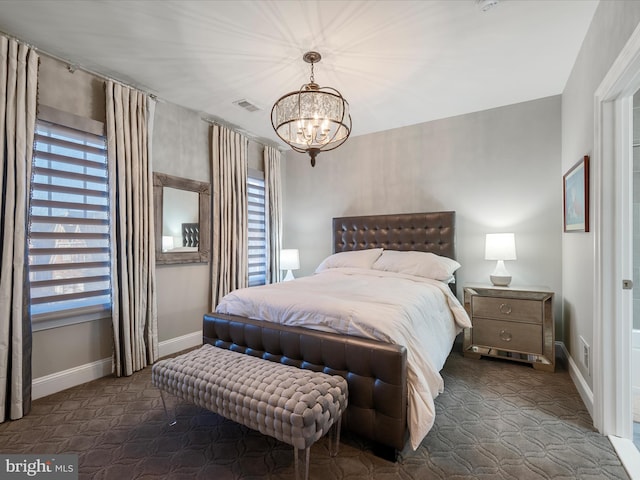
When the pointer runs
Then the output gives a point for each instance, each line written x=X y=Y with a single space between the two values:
x=392 y=379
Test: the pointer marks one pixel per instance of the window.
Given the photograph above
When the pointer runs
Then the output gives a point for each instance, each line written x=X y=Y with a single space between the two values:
x=257 y=237
x=69 y=246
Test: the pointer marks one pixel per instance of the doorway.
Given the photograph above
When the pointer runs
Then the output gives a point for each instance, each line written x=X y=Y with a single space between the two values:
x=614 y=252
x=635 y=333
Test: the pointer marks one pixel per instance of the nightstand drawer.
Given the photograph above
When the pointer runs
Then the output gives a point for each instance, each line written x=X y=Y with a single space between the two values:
x=513 y=309
x=521 y=337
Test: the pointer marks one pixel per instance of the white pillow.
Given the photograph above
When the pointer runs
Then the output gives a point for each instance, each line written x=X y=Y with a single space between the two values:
x=420 y=264
x=354 y=259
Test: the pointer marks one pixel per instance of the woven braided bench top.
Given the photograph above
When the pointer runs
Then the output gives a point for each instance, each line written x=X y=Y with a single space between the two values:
x=293 y=405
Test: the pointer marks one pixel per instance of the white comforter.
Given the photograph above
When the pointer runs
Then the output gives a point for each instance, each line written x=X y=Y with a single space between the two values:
x=416 y=312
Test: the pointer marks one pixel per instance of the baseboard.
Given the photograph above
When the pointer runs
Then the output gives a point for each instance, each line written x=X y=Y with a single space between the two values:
x=574 y=372
x=178 y=344
x=58 y=381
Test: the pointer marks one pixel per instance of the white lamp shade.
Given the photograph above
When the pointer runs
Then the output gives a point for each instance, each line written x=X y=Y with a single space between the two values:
x=289 y=259
x=500 y=246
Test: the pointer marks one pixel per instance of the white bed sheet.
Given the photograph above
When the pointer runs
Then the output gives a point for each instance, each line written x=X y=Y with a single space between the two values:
x=419 y=313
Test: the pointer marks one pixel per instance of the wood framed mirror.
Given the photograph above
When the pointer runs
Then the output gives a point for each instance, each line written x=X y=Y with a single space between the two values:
x=182 y=215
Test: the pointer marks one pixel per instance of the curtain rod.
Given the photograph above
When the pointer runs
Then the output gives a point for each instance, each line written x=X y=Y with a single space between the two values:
x=213 y=120
x=72 y=67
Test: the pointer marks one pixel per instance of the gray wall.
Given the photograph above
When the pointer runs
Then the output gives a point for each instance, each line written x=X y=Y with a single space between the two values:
x=610 y=29
x=181 y=147
x=498 y=169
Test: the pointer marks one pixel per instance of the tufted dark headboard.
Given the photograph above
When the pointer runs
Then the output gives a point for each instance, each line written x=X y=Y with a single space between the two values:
x=190 y=234
x=424 y=232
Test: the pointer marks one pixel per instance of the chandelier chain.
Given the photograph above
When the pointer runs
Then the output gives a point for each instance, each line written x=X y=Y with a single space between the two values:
x=312 y=78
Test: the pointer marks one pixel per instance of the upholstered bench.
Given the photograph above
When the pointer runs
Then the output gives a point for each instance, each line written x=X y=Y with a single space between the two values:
x=293 y=405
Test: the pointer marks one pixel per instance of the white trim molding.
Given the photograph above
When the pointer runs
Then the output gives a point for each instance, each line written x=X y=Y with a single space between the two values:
x=178 y=344
x=58 y=381
x=578 y=379
x=612 y=305
x=72 y=377
x=629 y=455
x=613 y=122
x=635 y=359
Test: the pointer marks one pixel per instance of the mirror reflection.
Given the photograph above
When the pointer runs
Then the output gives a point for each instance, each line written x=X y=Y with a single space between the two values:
x=180 y=221
x=181 y=216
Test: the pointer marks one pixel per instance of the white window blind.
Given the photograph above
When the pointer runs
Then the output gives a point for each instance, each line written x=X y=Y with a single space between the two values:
x=69 y=247
x=257 y=236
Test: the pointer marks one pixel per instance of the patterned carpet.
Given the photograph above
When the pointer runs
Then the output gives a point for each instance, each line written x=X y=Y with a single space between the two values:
x=495 y=420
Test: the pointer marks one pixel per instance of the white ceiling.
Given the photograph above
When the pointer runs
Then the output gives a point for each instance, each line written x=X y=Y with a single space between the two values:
x=397 y=62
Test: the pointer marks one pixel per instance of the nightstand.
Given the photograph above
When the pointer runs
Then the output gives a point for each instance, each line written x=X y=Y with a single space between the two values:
x=513 y=323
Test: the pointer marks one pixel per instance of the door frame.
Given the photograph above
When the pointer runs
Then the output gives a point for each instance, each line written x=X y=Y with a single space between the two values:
x=613 y=306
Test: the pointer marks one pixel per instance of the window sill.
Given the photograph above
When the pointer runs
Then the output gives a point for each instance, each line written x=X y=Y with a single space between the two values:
x=47 y=324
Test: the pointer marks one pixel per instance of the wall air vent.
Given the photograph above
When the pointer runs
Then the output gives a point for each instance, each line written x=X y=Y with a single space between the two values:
x=247 y=105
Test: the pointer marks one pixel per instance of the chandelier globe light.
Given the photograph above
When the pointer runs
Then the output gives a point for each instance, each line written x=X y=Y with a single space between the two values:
x=312 y=119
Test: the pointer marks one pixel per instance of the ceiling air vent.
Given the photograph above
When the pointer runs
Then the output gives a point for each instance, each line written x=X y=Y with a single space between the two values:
x=247 y=105
x=486 y=5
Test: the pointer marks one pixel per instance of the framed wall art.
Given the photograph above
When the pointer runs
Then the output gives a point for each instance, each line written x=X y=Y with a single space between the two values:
x=576 y=197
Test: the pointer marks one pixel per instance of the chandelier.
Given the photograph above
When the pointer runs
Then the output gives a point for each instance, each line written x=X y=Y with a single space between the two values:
x=313 y=119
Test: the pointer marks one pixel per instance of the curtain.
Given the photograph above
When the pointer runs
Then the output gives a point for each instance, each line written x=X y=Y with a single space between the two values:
x=134 y=310
x=273 y=193
x=18 y=95
x=229 y=269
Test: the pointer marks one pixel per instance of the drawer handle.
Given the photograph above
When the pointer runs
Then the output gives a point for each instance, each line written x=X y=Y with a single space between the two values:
x=505 y=335
x=505 y=308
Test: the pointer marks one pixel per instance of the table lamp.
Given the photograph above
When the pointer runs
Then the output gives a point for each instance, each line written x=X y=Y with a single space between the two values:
x=289 y=260
x=500 y=247
x=167 y=243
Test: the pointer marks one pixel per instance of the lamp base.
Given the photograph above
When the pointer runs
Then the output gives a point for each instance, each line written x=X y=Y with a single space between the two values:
x=500 y=276
x=288 y=276
x=500 y=281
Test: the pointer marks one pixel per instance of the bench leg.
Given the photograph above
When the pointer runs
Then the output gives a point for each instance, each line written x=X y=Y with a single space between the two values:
x=334 y=437
x=296 y=463
x=169 y=412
